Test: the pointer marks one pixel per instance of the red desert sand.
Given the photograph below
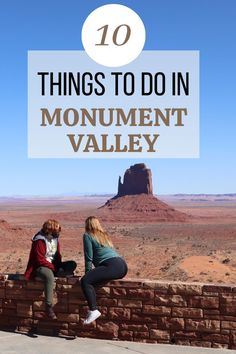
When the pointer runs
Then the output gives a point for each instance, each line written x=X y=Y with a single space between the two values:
x=200 y=247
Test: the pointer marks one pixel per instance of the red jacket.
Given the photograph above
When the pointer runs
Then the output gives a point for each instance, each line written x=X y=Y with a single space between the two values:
x=37 y=257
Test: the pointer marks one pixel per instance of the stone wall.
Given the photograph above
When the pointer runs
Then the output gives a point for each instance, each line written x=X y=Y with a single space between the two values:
x=143 y=311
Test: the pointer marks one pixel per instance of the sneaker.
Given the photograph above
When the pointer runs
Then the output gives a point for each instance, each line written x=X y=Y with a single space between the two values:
x=92 y=316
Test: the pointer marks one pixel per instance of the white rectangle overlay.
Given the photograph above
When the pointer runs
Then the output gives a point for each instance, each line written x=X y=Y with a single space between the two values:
x=161 y=121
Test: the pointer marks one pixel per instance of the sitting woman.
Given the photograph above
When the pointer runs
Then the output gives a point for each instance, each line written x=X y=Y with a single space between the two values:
x=99 y=251
x=45 y=261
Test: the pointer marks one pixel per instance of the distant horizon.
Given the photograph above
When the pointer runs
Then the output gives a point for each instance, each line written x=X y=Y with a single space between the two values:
x=78 y=195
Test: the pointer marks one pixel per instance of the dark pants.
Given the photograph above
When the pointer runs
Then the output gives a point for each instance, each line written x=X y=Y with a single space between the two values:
x=48 y=277
x=68 y=269
x=110 y=269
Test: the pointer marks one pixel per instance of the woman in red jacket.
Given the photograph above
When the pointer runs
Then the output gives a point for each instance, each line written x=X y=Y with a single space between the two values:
x=45 y=260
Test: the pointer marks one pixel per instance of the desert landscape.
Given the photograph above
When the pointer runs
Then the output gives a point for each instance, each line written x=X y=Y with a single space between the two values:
x=200 y=249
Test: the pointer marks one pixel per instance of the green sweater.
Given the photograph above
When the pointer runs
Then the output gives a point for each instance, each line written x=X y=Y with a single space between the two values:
x=94 y=253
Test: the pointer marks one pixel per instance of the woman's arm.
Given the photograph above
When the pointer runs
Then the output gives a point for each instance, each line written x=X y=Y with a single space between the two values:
x=88 y=253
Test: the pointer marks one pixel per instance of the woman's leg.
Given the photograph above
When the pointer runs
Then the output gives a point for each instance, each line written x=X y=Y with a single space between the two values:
x=87 y=284
x=116 y=268
x=47 y=275
x=68 y=268
x=113 y=268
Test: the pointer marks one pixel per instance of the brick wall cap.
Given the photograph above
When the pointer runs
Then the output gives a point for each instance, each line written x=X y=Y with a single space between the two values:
x=10 y=276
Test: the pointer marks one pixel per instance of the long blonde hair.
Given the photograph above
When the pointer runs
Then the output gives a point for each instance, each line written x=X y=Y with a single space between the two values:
x=94 y=228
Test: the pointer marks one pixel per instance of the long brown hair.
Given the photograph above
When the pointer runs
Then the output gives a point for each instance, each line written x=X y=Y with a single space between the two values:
x=94 y=228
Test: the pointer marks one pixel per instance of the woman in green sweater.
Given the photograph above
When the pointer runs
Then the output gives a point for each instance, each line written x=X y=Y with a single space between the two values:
x=108 y=265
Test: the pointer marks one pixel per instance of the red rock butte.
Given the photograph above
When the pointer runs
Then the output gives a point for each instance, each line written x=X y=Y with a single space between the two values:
x=135 y=200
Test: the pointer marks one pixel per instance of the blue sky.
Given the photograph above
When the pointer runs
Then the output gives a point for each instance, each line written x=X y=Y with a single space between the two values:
x=205 y=25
